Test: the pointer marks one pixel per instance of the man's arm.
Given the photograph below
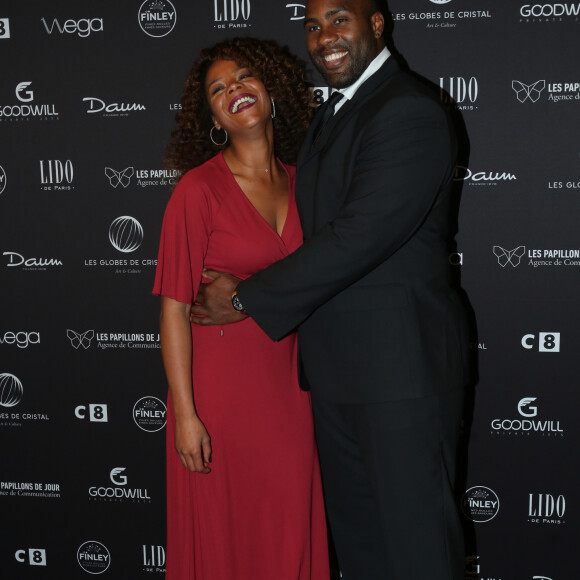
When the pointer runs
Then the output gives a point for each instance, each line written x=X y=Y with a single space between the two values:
x=406 y=158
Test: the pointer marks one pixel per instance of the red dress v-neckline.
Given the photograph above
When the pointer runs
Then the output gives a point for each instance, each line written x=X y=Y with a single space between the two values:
x=260 y=217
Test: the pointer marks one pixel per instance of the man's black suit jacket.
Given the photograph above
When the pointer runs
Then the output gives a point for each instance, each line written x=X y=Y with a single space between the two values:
x=369 y=291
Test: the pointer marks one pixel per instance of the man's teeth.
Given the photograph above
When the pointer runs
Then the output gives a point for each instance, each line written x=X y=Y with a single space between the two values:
x=241 y=101
x=334 y=56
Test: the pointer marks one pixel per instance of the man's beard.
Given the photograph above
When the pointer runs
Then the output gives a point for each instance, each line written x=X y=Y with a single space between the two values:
x=359 y=59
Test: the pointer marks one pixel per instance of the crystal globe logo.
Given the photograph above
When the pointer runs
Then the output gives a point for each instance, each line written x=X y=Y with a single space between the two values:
x=93 y=557
x=126 y=234
x=149 y=414
x=157 y=18
x=440 y=1
x=11 y=390
x=2 y=179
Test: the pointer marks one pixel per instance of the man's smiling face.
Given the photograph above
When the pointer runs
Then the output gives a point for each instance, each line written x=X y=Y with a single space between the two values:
x=342 y=37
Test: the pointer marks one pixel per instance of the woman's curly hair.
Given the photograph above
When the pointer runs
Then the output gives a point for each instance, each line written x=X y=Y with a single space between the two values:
x=283 y=76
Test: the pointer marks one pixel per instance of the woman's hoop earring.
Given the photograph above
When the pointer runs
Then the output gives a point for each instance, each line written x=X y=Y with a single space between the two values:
x=273 y=113
x=214 y=141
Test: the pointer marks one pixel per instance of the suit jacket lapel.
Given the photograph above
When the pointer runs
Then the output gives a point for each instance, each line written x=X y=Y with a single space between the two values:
x=308 y=149
x=306 y=146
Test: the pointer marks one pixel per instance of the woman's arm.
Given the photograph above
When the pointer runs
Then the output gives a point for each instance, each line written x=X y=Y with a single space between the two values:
x=192 y=440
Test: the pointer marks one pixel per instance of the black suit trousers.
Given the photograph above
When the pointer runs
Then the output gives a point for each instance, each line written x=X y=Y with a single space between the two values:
x=388 y=471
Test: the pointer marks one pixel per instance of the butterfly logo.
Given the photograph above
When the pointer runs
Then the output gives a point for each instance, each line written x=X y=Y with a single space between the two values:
x=77 y=339
x=525 y=92
x=119 y=177
x=505 y=257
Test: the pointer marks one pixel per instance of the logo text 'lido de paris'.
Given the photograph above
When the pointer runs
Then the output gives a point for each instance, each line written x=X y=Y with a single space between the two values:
x=126 y=234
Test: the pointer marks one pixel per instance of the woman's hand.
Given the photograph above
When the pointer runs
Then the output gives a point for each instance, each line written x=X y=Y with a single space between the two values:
x=193 y=444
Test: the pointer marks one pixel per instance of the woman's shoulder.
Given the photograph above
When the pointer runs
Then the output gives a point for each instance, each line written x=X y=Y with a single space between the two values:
x=204 y=174
x=201 y=181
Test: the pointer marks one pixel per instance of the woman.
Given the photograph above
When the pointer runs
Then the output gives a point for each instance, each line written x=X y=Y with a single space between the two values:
x=244 y=493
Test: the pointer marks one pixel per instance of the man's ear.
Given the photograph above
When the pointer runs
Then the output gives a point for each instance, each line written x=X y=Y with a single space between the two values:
x=378 y=24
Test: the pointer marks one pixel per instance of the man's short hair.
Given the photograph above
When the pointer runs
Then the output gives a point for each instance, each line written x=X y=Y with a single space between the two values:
x=380 y=6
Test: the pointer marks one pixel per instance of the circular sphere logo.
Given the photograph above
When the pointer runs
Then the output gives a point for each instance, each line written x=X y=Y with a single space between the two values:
x=440 y=1
x=93 y=557
x=150 y=414
x=2 y=179
x=480 y=504
x=11 y=390
x=157 y=18
x=126 y=234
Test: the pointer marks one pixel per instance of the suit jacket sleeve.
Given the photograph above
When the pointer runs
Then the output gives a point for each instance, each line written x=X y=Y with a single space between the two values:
x=406 y=157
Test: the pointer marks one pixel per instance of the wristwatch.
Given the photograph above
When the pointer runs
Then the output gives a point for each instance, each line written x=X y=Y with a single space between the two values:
x=237 y=303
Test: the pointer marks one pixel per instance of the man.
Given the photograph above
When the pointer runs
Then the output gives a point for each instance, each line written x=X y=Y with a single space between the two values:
x=382 y=333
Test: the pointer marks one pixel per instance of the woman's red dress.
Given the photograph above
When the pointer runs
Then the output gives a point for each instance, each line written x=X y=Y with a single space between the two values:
x=259 y=514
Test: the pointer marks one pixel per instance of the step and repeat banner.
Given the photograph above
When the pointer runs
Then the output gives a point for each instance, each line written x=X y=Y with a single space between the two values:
x=88 y=94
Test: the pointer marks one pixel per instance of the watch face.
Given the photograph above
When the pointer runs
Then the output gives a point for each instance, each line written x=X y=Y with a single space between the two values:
x=237 y=304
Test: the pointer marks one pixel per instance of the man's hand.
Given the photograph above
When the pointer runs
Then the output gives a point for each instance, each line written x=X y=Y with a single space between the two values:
x=213 y=303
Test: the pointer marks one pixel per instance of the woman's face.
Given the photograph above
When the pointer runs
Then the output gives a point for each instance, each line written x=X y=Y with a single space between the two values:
x=237 y=99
